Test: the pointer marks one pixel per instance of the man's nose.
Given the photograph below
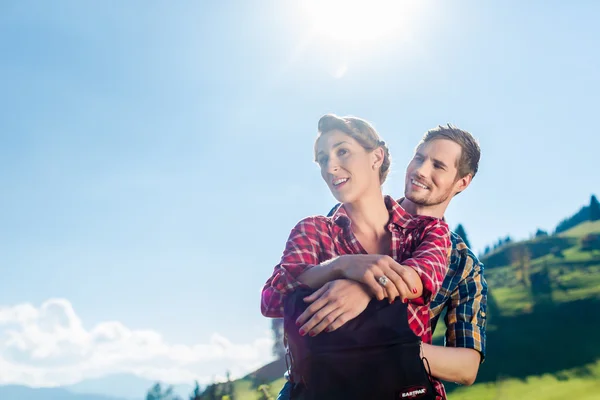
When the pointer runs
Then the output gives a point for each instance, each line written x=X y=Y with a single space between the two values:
x=424 y=170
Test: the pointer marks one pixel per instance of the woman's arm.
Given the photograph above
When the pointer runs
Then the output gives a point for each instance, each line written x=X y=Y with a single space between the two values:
x=327 y=271
x=367 y=269
x=430 y=259
x=302 y=252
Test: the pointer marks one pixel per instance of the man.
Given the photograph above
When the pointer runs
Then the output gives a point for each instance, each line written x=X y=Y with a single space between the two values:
x=445 y=156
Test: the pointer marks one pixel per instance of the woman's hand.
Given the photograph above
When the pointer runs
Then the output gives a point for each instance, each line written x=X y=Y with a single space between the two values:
x=402 y=281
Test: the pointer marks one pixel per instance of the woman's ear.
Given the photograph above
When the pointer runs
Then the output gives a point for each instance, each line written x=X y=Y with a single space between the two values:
x=377 y=157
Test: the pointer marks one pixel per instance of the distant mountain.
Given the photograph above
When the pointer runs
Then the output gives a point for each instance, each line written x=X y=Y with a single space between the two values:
x=16 y=392
x=126 y=386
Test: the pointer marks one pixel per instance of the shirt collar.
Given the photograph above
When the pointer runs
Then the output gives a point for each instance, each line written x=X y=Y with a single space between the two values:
x=398 y=216
x=400 y=202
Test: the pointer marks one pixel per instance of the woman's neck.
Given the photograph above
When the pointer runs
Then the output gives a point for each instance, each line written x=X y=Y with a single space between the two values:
x=369 y=215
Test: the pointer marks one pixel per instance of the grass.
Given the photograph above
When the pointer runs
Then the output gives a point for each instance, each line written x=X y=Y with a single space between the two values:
x=569 y=384
x=244 y=390
x=542 y=338
x=582 y=229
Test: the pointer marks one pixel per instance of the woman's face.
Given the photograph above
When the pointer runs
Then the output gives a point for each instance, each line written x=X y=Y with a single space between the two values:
x=349 y=169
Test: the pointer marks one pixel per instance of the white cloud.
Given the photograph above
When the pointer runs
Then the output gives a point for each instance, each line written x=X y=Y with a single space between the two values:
x=49 y=346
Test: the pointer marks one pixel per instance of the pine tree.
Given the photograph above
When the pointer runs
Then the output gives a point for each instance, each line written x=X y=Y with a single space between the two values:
x=197 y=394
x=594 y=209
x=540 y=233
x=157 y=393
x=460 y=231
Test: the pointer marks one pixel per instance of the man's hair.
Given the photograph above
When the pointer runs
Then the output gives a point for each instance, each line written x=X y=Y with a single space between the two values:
x=362 y=131
x=470 y=151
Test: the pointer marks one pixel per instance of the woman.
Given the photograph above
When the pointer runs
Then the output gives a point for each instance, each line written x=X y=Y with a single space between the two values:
x=370 y=239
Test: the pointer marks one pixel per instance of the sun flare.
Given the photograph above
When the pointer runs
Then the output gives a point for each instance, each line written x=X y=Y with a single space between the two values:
x=358 y=21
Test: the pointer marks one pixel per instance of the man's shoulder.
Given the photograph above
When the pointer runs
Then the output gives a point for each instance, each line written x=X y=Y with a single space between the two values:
x=461 y=254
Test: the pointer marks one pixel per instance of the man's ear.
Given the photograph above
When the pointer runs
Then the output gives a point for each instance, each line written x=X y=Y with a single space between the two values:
x=462 y=183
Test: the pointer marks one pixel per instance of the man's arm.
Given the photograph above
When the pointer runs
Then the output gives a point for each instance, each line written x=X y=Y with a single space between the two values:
x=465 y=321
x=452 y=364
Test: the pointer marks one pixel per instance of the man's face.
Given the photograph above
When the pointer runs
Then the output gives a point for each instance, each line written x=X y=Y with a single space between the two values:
x=432 y=174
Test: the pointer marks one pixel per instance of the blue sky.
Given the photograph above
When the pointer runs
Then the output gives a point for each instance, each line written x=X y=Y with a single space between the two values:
x=155 y=155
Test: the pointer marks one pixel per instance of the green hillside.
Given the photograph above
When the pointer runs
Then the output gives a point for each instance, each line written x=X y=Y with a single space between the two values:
x=543 y=325
x=582 y=229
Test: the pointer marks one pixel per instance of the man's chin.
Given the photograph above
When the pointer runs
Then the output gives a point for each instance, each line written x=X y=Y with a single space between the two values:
x=418 y=200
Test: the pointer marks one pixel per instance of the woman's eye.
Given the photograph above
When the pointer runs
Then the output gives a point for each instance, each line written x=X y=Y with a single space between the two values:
x=341 y=152
x=321 y=161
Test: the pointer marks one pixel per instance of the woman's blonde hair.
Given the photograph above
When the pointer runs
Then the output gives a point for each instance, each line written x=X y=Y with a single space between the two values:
x=361 y=131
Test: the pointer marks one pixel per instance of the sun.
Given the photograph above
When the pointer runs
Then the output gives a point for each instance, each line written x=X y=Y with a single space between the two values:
x=358 y=21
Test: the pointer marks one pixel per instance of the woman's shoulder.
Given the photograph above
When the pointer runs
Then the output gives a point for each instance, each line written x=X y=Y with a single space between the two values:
x=318 y=222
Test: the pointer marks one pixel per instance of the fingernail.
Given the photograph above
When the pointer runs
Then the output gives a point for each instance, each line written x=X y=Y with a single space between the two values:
x=298 y=323
x=414 y=291
x=405 y=301
x=312 y=334
x=328 y=329
x=302 y=333
x=392 y=302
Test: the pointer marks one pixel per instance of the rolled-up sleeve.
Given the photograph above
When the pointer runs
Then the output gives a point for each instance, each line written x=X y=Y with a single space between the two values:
x=431 y=258
x=301 y=253
x=466 y=316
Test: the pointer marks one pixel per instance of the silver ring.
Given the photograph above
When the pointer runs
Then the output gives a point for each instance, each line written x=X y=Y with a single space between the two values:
x=383 y=280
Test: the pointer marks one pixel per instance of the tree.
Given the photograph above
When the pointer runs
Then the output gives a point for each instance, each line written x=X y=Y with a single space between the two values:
x=263 y=391
x=228 y=389
x=594 y=209
x=196 y=394
x=540 y=233
x=210 y=393
x=156 y=393
x=521 y=259
x=590 y=242
x=580 y=216
x=460 y=231
x=277 y=328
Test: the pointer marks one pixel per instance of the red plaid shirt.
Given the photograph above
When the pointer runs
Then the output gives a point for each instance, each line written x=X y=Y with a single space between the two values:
x=420 y=242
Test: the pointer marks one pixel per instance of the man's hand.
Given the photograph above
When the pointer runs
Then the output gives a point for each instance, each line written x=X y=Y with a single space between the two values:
x=403 y=281
x=334 y=304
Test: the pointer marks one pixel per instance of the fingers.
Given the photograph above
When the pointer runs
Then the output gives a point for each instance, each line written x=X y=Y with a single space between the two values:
x=411 y=279
x=324 y=322
x=396 y=287
x=317 y=305
x=374 y=285
x=321 y=319
x=316 y=294
x=340 y=321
